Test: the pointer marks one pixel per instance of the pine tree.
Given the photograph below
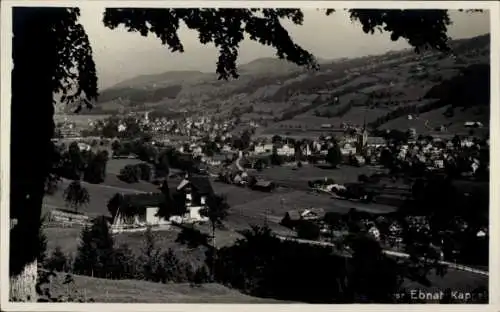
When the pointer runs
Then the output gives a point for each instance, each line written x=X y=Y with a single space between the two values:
x=95 y=253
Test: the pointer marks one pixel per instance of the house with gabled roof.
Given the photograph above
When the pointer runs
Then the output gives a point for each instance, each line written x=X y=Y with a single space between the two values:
x=180 y=204
x=196 y=189
x=134 y=212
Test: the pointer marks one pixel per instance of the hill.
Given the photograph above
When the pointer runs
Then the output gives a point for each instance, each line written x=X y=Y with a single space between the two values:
x=270 y=88
x=135 y=291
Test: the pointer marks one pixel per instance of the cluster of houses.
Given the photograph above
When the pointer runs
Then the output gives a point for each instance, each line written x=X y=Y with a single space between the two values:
x=439 y=151
x=243 y=179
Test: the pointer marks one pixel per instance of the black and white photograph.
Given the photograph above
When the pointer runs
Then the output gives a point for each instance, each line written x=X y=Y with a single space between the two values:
x=247 y=152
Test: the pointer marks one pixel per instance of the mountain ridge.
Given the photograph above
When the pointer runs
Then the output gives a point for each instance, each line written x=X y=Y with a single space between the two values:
x=263 y=79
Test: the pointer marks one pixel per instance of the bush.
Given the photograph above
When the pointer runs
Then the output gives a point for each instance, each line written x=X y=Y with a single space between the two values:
x=145 y=172
x=308 y=230
x=130 y=174
x=125 y=264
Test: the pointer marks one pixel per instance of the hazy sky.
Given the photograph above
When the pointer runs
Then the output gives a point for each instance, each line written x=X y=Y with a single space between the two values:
x=120 y=55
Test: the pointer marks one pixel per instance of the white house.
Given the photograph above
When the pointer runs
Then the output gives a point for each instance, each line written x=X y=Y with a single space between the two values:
x=285 y=150
x=373 y=231
x=196 y=189
x=347 y=149
x=306 y=151
x=263 y=148
x=439 y=163
x=122 y=127
x=466 y=142
x=196 y=150
x=83 y=146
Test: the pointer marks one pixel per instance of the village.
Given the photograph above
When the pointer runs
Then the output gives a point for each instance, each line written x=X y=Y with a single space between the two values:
x=342 y=173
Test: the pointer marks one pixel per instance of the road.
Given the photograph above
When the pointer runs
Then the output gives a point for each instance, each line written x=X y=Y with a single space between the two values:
x=237 y=162
x=391 y=253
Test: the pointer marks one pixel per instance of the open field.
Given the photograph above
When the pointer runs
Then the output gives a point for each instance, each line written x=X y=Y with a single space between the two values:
x=299 y=177
x=100 y=194
x=425 y=123
x=278 y=204
x=134 y=291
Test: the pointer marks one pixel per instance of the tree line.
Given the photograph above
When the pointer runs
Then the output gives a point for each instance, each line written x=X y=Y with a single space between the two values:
x=75 y=164
x=258 y=264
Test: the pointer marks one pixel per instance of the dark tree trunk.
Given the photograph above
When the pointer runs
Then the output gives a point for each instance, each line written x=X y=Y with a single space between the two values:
x=32 y=127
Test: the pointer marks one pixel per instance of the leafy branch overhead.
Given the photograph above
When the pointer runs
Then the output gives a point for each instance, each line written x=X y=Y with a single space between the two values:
x=226 y=29
x=74 y=77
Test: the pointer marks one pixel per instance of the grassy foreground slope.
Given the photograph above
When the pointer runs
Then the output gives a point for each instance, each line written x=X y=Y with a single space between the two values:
x=134 y=291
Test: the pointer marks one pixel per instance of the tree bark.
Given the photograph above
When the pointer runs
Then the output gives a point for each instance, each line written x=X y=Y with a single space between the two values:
x=21 y=286
x=32 y=127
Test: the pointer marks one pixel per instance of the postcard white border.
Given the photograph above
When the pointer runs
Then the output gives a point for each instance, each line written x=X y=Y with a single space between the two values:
x=6 y=66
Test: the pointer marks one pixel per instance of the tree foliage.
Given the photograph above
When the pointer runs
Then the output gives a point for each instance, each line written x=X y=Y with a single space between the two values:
x=76 y=195
x=334 y=157
x=227 y=28
x=95 y=252
x=57 y=261
x=130 y=174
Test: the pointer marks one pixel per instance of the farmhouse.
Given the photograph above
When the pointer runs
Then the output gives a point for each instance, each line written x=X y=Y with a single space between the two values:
x=134 y=212
x=375 y=142
x=83 y=146
x=313 y=214
x=347 y=149
x=263 y=148
x=473 y=124
x=291 y=218
x=285 y=150
x=196 y=189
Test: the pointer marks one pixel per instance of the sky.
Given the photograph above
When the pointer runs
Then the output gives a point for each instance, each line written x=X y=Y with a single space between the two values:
x=120 y=55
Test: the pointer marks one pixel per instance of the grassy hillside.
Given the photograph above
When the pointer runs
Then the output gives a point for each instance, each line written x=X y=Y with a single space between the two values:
x=134 y=291
x=279 y=89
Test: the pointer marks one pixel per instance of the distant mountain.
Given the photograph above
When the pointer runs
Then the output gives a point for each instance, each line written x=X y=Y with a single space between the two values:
x=261 y=80
x=464 y=45
x=159 y=80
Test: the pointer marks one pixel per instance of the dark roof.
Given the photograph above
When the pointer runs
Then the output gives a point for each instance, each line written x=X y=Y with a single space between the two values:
x=293 y=214
x=144 y=199
x=375 y=140
x=201 y=184
x=134 y=204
